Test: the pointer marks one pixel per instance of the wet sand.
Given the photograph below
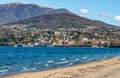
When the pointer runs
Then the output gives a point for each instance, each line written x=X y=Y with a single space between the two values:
x=107 y=68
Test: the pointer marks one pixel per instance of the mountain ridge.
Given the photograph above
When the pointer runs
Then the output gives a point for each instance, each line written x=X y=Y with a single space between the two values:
x=64 y=20
x=16 y=11
x=11 y=13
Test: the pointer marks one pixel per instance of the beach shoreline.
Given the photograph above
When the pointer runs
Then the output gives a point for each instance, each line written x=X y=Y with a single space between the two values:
x=106 y=68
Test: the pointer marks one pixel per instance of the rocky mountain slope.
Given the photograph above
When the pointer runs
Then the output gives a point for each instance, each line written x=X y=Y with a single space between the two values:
x=16 y=11
x=61 y=20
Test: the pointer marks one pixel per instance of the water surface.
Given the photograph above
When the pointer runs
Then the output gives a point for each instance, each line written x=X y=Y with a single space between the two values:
x=25 y=59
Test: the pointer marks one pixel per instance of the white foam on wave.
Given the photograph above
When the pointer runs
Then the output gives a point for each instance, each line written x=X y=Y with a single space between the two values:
x=37 y=63
x=28 y=69
x=90 y=59
x=75 y=60
x=62 y=62
x=84 y=58
x=1 y=71
x=69 y=64
x=63 y=59
x=46 y=65
x=51 y=61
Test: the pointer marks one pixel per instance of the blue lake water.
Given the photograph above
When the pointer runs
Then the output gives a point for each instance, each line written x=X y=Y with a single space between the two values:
x=25 y=59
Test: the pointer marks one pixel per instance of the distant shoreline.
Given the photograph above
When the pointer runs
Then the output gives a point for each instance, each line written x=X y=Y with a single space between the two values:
x=60 y=46
x=97 y=69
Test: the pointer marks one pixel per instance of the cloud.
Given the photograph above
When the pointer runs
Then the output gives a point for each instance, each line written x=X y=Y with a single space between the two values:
x=117 y=18
x=106 y=14
x=84 y=11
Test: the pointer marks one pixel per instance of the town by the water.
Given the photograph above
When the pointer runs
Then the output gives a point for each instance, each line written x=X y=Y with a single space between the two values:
x=21 y=35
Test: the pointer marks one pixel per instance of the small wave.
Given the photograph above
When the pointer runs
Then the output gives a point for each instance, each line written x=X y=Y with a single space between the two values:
x=46 y=65
x=83 y=61
x=51 y=61
x=63 y=59
x=90 y=59
x=69 y=64
x=28 y=69
x=62 y=62
x=84 y=58
x=37 y=63
x=1 y=71
x=75 y=60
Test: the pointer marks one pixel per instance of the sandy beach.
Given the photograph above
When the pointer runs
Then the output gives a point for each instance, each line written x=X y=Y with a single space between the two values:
x=107 y=68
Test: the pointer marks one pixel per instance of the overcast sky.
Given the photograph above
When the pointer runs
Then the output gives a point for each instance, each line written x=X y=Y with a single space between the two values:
x=105 y=10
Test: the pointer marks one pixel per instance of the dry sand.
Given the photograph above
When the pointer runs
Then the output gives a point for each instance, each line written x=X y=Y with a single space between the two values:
x=107 y=68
